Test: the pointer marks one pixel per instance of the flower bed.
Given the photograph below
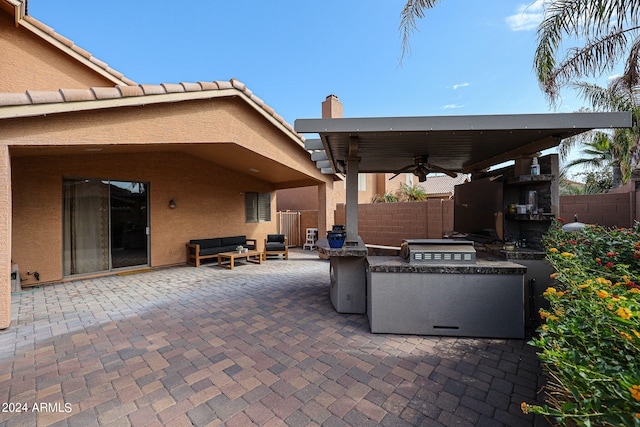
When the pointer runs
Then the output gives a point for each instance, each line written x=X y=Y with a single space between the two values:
x=590 y=339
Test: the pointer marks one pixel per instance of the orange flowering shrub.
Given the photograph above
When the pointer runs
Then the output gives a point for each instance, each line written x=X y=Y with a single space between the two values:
x=590 y=339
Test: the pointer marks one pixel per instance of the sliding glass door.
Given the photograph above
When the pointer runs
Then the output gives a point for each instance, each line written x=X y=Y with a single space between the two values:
x=105 y=225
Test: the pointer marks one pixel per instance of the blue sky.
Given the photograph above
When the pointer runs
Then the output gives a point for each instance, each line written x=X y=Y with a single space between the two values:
x=468 y=57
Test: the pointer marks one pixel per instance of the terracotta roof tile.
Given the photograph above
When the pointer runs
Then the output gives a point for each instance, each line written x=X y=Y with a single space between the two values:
x=152 y=89
x=224 y=85
x=45 y=96
x=443 y=184
x=209 y=85
x=143 y=90
x=81 y=51
x=191 y=87
x=257 y=100
x=130 y=90
x=65 y=41
x=172 y=87
x=39 y=25
x=106 y=92
x=237 y=84
x=70 y=95
x=11 y=98
x=99 y=63
x=116 y=73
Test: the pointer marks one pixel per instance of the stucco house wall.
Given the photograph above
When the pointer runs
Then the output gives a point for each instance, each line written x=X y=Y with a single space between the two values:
x=209 y=196
x=209 y=204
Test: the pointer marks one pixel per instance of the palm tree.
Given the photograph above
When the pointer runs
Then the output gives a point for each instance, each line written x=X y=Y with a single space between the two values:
x=617 y=149
x=606 y=151
x=610 y=29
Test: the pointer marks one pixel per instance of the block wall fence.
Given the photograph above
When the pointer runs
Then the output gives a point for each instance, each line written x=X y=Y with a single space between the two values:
x=388 y=223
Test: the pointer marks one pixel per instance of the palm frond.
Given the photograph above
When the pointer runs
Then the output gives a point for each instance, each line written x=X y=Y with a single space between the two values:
x=595 y=57
x=607 y=27
x=412 y=11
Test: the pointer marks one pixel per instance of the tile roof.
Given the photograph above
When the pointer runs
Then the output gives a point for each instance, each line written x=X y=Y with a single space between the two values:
x=443 y=184
x=81 y=99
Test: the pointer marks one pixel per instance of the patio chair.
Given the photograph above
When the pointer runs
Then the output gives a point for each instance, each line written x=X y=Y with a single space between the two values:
x=276 y=244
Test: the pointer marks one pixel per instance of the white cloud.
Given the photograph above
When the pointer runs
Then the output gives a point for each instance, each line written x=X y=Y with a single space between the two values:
x=614 y=76
x=528 y=16
x=452 y=106
x=459 y=85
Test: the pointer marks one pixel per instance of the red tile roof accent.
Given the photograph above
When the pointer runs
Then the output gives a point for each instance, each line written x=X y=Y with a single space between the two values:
x=131 y=91
x=106 y=92
x=45 y=96
x=191 y=87
x=173 y=87
x=71 y=95
x=14 y=99
x=32 y=97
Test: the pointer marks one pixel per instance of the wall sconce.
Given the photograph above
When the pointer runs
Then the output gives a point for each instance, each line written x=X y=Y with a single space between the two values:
x=172 y=204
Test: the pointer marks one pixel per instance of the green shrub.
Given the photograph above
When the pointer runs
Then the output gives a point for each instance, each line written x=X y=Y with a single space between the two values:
x=590 y=339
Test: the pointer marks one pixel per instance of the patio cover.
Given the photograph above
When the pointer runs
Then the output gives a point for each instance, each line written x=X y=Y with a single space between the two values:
x=458 y=143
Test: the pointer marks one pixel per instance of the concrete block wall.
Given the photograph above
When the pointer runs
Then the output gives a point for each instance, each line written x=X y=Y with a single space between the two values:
x=609 y=210
x=389 y=223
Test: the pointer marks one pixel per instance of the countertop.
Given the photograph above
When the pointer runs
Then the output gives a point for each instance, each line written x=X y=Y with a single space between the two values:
x=520 y=253
x=390 y=264
x=359 y=250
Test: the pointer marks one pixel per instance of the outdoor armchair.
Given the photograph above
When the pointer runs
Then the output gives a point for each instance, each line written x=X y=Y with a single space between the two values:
x=276 y=244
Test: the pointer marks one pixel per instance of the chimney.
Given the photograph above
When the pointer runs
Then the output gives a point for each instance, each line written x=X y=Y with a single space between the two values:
x=332 y=108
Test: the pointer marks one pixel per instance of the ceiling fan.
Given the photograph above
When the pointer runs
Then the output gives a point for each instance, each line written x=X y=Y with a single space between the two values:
x=421 y=168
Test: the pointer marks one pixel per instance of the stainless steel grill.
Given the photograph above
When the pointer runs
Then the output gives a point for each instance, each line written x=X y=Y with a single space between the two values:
x=441 y=251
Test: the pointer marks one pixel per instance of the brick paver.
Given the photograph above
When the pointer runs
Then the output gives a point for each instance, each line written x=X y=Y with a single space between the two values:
x=259 y=345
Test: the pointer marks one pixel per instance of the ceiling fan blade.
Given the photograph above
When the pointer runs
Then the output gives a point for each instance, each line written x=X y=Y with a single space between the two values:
x=442 y=170
x=403 y=170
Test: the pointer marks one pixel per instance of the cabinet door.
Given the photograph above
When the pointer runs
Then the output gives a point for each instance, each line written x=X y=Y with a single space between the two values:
x=478 y=207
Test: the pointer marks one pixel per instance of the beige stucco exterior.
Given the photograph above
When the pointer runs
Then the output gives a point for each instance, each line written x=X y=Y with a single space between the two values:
x=203 y=145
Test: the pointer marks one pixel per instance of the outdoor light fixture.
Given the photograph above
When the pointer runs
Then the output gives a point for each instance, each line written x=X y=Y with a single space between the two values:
x=172 y=204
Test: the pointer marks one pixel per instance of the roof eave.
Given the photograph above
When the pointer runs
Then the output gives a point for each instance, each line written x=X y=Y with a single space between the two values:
x=35 y=110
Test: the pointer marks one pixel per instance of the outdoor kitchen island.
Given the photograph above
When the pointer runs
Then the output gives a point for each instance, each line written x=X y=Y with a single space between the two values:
x=485 y=299
x=479 y=297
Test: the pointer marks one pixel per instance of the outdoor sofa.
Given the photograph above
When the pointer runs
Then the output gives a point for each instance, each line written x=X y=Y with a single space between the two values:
x=199 y=249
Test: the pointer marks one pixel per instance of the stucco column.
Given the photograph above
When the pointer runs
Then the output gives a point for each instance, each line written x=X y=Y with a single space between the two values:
x=353 y=168
x=351 y=205
x=5 y=237
x=326 y=207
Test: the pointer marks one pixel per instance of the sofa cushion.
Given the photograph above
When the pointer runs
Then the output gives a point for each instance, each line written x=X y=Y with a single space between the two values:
x=234 y=241
x=275 y=246
x=212 y=251
x=279 y=238
x=206 y=243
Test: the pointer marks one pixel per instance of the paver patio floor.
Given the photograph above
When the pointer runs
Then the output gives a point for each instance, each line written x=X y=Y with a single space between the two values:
x=259 y=345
